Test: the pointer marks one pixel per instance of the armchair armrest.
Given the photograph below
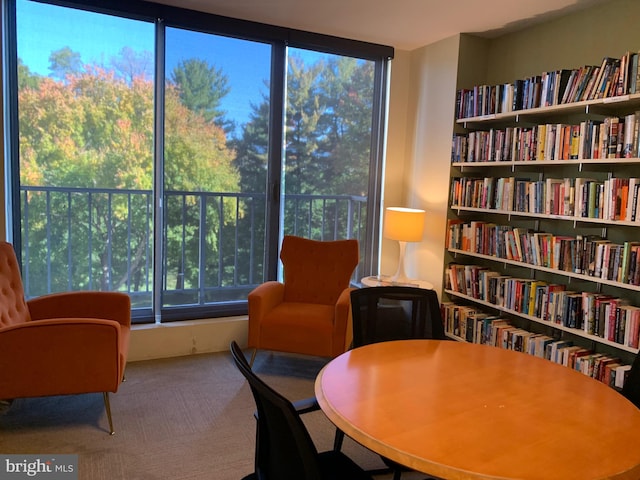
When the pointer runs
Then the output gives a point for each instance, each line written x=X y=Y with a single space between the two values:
x=66 y=356
x=261 y=300
x=85 y=304
x=342 y=328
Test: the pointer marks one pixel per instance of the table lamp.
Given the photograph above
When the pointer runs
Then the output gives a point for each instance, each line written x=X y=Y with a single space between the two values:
x=404 y=225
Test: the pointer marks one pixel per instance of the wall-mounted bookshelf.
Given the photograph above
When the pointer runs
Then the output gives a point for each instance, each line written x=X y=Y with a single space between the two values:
x=554 y=156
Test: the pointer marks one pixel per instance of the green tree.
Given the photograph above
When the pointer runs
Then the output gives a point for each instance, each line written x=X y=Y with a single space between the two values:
x=27 y=79
x=345 y=149
x=304 y=111
x=197 y=159
x=201 y=88
x=252 y=154
x=64 y=62
x=252 y=149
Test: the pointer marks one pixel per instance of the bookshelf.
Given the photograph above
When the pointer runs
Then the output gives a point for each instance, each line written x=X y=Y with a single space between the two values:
x=543 y=240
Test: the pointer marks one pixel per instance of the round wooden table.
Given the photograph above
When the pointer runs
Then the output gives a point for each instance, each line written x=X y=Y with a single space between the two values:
x=465 y=411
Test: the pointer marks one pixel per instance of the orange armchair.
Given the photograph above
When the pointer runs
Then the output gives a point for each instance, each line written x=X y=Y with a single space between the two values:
x=60 y=344
x=310 y=311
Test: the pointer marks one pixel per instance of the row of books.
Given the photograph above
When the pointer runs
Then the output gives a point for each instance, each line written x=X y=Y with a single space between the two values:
x=612 y=77
x=474 y=325
x=589 y=255
x=616 y=198
x=612 y=137
x=600 y=315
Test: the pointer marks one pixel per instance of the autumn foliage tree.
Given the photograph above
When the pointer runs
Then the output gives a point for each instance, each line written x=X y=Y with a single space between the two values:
x=94 y=130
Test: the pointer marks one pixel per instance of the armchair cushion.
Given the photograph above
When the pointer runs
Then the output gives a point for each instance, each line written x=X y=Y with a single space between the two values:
x=300 y=325
x=62 y=357
x=317 y=272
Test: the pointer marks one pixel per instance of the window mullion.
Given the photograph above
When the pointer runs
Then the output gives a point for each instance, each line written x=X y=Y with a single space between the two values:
x=158 y=173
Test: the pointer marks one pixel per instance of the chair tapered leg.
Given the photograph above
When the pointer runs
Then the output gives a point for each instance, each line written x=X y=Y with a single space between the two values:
x=253 y=357
x=107 y=407
x=338 y=439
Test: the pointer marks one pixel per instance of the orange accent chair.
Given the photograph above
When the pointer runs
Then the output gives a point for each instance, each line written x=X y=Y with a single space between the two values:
x=62 y=343
x=310 y=312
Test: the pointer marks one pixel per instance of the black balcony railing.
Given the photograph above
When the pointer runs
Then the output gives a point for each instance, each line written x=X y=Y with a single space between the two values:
x=102 y=239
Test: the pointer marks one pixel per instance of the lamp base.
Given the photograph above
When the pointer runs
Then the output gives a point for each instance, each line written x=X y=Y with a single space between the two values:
x=400 y=276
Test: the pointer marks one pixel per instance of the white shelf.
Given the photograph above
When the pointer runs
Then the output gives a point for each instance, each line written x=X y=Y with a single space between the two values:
x=548 y=163
x=567 y=218
x=601 y=106
x=553 y=271
x=574 y=331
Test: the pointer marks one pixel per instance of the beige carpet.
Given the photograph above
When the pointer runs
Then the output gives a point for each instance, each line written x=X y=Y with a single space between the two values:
x=181 y=418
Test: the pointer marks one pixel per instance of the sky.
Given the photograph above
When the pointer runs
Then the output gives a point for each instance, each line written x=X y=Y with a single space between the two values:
x=44 y=28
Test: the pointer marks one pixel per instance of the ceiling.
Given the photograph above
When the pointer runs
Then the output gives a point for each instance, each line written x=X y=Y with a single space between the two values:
x=403 y=24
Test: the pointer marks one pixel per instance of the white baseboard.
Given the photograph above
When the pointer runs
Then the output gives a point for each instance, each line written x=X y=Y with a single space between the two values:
x=175 y=339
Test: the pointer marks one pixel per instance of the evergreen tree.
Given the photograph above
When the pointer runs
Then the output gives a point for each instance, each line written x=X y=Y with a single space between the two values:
x=252 y=156
x=201 y=88
x=327 y=138
x=304 y=110
x=347 y=93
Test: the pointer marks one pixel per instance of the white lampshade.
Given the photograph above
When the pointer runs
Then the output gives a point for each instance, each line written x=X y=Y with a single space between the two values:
x=404 y=224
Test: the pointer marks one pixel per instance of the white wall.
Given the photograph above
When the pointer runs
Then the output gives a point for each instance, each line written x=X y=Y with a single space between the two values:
x=581 y=38
x=422 y=116
x=399 y=130
x=186 y=338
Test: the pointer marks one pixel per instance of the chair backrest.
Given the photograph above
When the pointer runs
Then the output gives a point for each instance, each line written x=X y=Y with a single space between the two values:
x=13 y=306
x=317 y=271
x=395 y=313
x=631 y=388
x=284 y=448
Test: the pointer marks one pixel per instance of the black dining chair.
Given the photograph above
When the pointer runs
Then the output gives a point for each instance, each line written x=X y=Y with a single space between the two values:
x=388 y=313
x=631 y=388
x=284 y=448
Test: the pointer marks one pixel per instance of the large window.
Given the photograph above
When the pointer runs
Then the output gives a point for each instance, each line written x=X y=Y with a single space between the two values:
x=165 y=153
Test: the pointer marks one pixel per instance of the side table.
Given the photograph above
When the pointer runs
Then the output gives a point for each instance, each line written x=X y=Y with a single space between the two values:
x=385 y=281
